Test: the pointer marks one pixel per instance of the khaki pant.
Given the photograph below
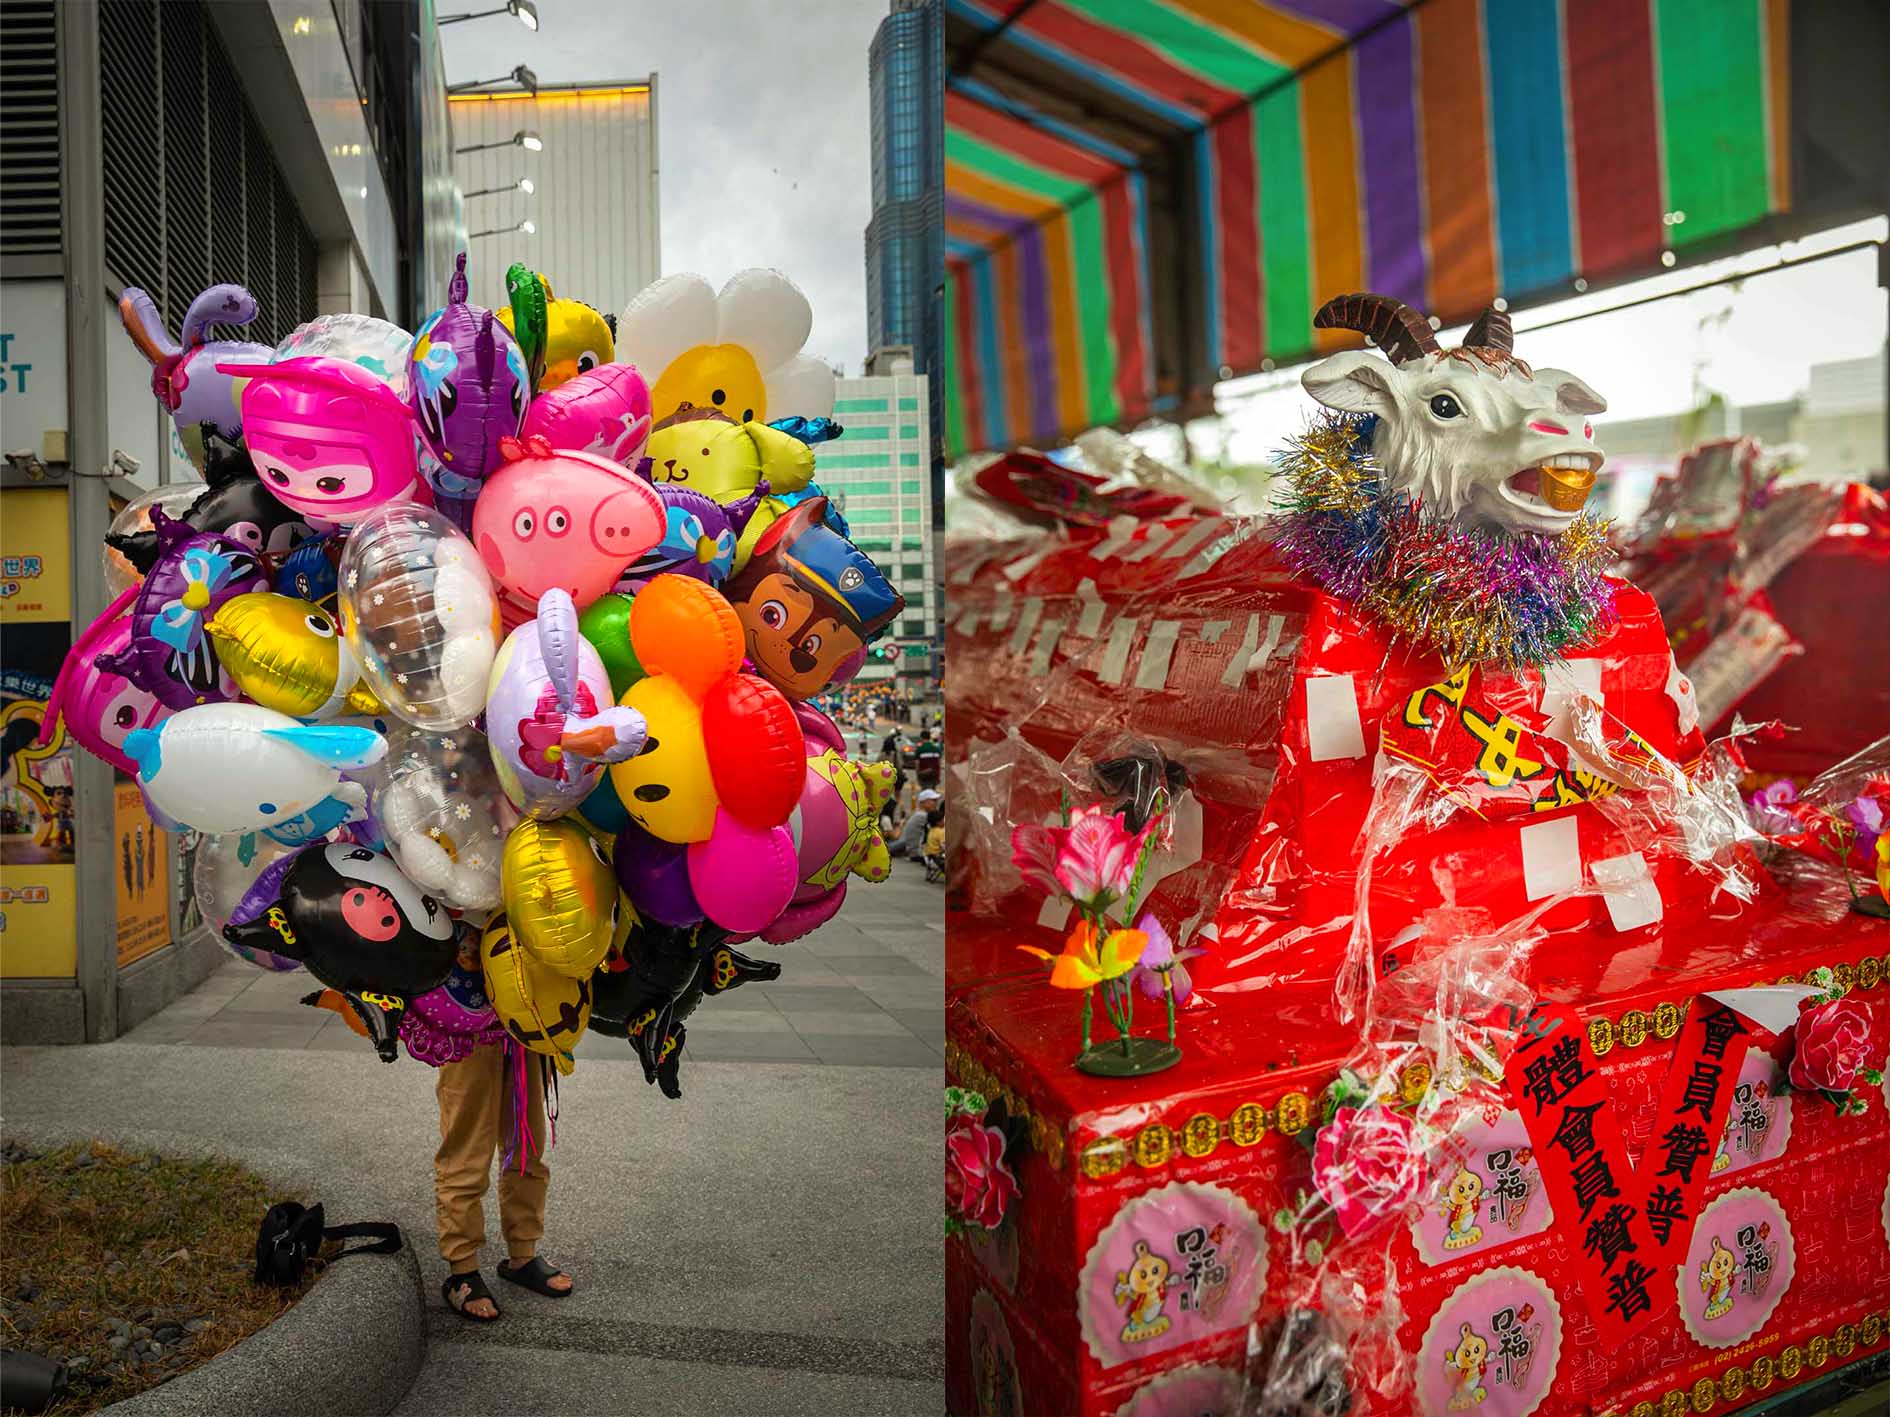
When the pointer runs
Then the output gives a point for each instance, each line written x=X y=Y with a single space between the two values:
x=473 y=1116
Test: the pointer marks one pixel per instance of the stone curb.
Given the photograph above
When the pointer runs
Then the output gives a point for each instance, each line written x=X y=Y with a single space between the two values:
x=352 y=1345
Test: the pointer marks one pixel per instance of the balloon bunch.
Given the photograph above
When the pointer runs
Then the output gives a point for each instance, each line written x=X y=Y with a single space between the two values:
x=481 y=668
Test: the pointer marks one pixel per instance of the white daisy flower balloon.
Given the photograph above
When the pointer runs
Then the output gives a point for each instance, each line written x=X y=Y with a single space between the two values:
x=737 y=351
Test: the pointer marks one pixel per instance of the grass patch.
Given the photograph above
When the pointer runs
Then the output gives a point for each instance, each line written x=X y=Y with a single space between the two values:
x=130 y=1268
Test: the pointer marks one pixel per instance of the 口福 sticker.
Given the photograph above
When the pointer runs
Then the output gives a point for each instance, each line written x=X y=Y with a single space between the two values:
x=1759 y=1124
x=1485 y=1195
x=1198 y=1390
x=1737 y=1269
x=1492 y=1347
x=993 y=1361
x=1176 y=1264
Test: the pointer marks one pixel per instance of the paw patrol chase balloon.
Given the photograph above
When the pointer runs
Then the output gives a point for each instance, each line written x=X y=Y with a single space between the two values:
x=288 y=655
x=809 y=600
x=550 y=717
x=561 y=896
x=543 y=1010
x=171 y=655
x=419 y=614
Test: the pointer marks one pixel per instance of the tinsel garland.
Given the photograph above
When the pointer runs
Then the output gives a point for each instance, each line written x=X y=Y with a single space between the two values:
x=1471 y=596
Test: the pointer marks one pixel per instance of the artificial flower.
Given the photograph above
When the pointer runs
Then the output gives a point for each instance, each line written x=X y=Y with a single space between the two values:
x=1034 y=853
x=1866 y=814
x=1772 y=807
x=1096 y=860
x=1367 y=1165
x=1085 y=962
x=979 y=1186
x=1832 y=1043
x=1162 y=966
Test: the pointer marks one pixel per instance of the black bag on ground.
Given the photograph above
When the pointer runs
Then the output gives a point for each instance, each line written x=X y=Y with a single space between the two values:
x=292 y=1234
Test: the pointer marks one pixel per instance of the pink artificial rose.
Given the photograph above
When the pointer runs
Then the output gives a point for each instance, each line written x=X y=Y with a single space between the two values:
x=1097 y=858
x=1833 y=1040
x=1034 y=853
x=979 y=1187
x=1366 y=1165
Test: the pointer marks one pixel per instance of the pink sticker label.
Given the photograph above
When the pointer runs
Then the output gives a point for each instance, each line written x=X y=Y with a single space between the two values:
x=1176 y=1264
x=1195 y=1391
x=993 y=1361
x=1486 y=1195
x=1759 y=1126
x=1492 y=1348
x=1738 y=1267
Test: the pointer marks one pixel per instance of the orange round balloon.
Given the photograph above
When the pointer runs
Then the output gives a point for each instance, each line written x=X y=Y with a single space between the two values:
x=684 y=628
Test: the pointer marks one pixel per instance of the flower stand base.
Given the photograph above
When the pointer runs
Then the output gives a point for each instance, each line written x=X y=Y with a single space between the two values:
x=1140 y=1057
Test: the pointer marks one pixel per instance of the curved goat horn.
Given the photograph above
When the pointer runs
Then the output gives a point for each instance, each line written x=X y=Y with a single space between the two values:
x=1393 y=326
x=1491 y=331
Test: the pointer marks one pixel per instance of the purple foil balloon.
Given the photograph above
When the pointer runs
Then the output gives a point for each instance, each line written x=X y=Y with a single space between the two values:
x=469 y=387
x=699 y=536
x=655 y=875
x=184 y=375
x=170 y=657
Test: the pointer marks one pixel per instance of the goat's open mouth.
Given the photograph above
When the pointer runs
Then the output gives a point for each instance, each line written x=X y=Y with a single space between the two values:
x=1560 y=483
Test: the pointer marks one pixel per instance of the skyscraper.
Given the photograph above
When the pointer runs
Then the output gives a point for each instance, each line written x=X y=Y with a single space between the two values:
x=904 y=253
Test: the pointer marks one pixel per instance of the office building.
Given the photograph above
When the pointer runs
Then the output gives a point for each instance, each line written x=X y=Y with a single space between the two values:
x=878 y=477
x=589 y=152
x=298 y=151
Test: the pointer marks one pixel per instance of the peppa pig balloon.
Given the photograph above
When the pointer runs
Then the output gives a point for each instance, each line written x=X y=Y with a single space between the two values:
x=186 y=377
x=549 y=713
x=469 y=387
x=605 y=411
x=419 y=614
x=170 y=655
x=100 y=708
x=839 y=834
x=330 y=440
x=567 y=520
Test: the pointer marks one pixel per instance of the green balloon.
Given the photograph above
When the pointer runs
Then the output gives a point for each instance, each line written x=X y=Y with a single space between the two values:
x=607 y=626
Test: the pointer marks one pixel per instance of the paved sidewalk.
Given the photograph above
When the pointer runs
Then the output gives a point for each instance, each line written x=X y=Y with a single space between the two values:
x=768 y=1244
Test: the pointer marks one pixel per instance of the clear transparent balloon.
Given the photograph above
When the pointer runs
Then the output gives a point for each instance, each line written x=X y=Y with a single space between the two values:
x=437 y=801
x=224 y=869
x=174 y=497
x=378 y=346
x=419 y=614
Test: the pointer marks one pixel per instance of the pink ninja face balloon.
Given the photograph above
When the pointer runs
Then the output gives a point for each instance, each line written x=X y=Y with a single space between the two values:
x=561 y=520
x=99 y=707
x=328 y=438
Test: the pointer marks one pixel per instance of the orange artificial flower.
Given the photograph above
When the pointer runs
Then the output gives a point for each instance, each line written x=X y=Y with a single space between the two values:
x=1083 y=964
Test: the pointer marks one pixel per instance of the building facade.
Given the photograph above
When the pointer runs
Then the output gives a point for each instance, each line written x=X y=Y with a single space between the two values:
x=172 y=146
x=598 y=241
x=877 y=475
x=904 y=240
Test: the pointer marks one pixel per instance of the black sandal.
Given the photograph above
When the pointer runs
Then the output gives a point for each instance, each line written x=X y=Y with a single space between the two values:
x=469 y=1287
x=536 y=1276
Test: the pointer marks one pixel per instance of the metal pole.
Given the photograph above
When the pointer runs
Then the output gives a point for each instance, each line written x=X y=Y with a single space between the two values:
x=89 y=316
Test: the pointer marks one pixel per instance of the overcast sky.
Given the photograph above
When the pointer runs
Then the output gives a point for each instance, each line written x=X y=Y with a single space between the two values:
x=761 y=121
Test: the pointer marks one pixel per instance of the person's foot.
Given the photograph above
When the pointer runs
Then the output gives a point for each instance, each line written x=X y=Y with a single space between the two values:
x=538 y=1276
x=466 y=1295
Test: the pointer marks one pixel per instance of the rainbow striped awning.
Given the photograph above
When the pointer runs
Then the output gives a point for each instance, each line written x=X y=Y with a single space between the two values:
x=1146 y=195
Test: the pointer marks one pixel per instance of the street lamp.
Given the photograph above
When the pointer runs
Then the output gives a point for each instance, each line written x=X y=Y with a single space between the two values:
x=521 y=76
x=526 y=138
x=528 y=227
x=524 y=184
x=526 y=10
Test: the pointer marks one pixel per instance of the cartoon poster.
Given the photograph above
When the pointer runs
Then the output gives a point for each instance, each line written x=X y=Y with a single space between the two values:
x=1488 y=1193
x=38 y=831
x=141 y=866
x=1738 y=1267
x=1492 y=1347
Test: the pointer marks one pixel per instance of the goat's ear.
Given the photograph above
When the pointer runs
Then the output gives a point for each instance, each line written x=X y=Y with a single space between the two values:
x=1571 y=394
x=1352 y=382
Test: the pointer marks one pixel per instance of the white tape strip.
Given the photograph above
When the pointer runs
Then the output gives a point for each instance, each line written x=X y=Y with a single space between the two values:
x=1121 y=532
x=1055 y=912
x=1157 y=654
x=1258 y=659
x=1237 y=666
x=1115 y=660
x=1551 y=858
x=1333 y=728
x=965 y=564
x=1090 y=621
x=1628 y=890
x=1027 y=618
x=1194 y=537
x=1001 y=607
x=1024 y=565
x=1157 y=538
x=1046 y=647
x=968 y=622
x=1216 y=549
x=1212 y=630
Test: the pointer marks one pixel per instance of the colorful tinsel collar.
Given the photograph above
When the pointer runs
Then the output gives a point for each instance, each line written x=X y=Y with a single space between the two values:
x=1471 y=596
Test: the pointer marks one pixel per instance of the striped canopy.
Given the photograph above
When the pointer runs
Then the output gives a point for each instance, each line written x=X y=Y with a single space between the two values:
x=1146 y=195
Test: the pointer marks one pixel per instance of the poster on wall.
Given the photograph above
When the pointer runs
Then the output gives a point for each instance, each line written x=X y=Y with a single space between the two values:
x=141 y=863
x=38 y=830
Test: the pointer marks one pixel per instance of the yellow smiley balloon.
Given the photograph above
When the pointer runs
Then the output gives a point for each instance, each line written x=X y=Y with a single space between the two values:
x=719 y=376
x=544 y=1011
